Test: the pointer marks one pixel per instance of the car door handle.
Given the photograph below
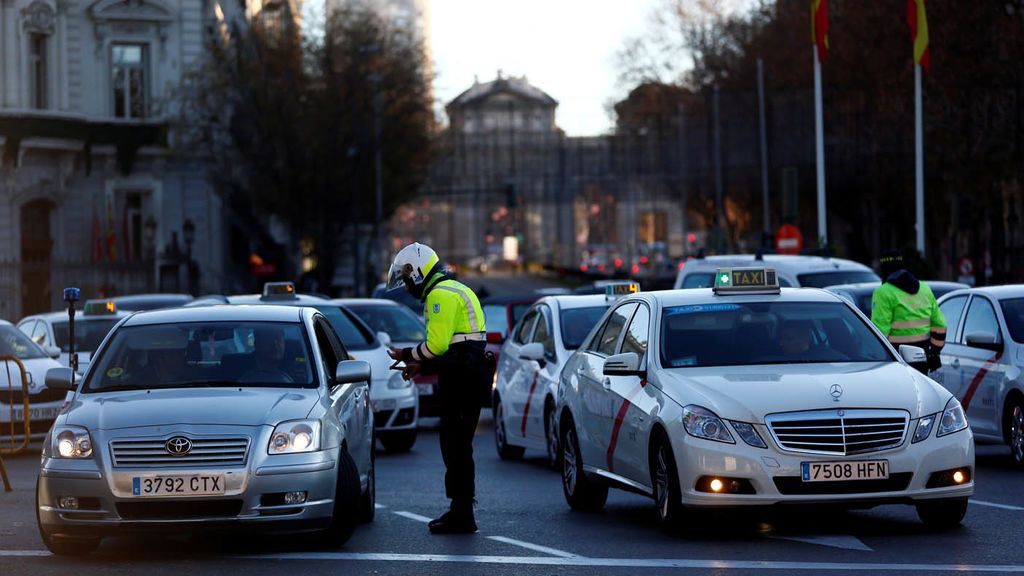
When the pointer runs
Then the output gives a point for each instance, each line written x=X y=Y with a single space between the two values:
x=607 y=384
x=956 y=363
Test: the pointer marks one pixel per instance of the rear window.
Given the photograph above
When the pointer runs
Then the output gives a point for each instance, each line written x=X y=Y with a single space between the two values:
x=1013 y=311
x=577 y=323
x=353 y=333
x=89 y=334
x=697 y=280
x=823 y=279
x=396 y=321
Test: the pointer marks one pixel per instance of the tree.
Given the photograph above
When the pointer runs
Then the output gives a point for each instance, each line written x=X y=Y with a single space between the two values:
x=288 y=122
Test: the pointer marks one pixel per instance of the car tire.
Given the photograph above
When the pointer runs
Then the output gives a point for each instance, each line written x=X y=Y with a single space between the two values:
x=580 y=492
x=506 y=451
x=347 y=494
x=60 y=546
x=551 y=436
x=668 y=499
x=1014 y=426
x=942 y=513
x=368 y=501
x=398 y=441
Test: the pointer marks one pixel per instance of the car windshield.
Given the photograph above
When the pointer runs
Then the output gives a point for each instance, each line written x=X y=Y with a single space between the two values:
x=14 y=342
x=725 y=334
x=577 y=323
x=204 y=354
x=496 y=318
x=396 y=321
x=89 y=333
x=823 y=279
x=1013 y=311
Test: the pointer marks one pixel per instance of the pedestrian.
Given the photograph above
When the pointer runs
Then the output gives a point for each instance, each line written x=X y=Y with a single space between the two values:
x=905 y=310
x=455 y=351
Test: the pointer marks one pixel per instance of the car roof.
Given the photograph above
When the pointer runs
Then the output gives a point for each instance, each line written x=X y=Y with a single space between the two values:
x=296 y=300
x=568 y=302
x=861 y=287
x=219 y=313
x=707 y=296
x=154 y=296
x=782 y=262
x=997 y=292
x=508 y=299
x=79 y=316
x=5 y=323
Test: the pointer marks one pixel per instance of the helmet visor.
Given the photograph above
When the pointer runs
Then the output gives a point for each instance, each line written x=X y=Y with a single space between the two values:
x=396 y=277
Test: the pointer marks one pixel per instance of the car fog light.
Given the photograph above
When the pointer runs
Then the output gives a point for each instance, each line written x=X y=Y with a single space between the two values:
x=946 y=478
x=716 y=485
x=959 y=477
x=68 y=502
x=294 y=497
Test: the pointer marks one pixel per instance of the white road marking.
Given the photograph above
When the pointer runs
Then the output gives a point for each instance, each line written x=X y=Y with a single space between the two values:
x=994 y=505
x=379 y=506
x=412 y=516
x=846 y=542
x=23 y=553
x=534 y=547
x=644 y=562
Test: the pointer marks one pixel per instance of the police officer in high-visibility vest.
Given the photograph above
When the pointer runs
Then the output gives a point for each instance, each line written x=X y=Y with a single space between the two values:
x=905 y=310
x=455 y=351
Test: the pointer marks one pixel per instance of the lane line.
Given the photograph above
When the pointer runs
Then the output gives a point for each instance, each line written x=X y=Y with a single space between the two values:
x=412 y=516
x=644 y=562
x=534 y=547
x=995 y=505
x=23 y=553
x=844 y=541
x=379 y=506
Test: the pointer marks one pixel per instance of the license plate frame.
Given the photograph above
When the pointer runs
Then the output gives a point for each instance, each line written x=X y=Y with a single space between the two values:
x=47 y=413
x=425 y=389
x=177 y=485
x=844 y=470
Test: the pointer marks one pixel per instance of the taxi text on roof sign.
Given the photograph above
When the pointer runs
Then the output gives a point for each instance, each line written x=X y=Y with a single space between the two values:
x=99 y=307
x=621 y=289
x=746 y=281
x=280 y=290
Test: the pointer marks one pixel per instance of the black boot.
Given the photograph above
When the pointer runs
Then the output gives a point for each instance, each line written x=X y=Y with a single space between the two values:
x=457 y=520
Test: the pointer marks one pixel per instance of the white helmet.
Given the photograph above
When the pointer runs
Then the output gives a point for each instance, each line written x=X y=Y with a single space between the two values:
x=413 y=264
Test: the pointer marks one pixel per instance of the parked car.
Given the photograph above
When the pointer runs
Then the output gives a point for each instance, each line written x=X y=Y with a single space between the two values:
x=796 y=271
x=92 y=325
x=400 y=296
x=860 y=294
x=137 y=302
x=44 y=403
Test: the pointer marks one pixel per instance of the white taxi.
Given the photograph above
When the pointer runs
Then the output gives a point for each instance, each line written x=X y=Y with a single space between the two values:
x=527 y=377
x=748 y=394
x=92 y=324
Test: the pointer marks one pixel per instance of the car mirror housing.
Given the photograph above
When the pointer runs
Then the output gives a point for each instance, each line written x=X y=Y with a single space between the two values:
x=984 y=340
x=532 y=351
x=60 y=379
x=53 y=352
x=913 y=354
x=351 y=371
x=626 y=364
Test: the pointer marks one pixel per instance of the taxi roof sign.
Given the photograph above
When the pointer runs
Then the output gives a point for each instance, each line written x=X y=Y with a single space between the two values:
x=757 y=280
x=620 y=289
x=278 y=291
x=99 y=308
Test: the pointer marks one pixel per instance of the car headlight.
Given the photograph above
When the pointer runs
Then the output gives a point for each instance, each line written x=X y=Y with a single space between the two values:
x=953 y=418
x=396 y=382
x=70 y=442
x=703 y=423
x=748 y=433
x=295 y=436
x=924 y=428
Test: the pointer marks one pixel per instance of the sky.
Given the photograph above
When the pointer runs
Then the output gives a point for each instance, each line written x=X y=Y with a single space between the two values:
x=565 y=47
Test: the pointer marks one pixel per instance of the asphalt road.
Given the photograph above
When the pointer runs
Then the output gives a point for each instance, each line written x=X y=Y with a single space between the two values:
x=526 y=528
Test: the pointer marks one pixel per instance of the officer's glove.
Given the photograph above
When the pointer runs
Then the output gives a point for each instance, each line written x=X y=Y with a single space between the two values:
x=934 y=361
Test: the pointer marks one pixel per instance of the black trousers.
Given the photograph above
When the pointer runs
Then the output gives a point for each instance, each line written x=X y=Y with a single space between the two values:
x=458 y=381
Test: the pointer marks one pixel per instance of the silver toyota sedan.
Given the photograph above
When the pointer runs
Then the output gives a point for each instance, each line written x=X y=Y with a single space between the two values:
x=224 y=418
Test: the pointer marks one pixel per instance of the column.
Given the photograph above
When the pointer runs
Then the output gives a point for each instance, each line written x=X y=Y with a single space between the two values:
x=12 y=56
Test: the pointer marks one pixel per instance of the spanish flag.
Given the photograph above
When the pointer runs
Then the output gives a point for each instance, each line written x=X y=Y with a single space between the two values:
x=819 y=27
x=918 y=22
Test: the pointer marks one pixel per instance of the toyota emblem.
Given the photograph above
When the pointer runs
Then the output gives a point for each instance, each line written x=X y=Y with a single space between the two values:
x=178 y=446
x=836 y=391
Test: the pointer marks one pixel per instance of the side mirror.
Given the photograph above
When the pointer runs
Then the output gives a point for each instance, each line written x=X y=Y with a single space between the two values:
x=59 y=379
x=352 y=371
x=627 y=364
x=495 y=338
x=984 y=340
x=532 y=351
x=385 y=338
x=912 y=354
x=53 y=351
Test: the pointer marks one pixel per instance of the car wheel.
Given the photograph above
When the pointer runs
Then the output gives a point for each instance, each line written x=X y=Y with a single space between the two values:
x=345 y=515
x=580 y=492
x=505 y=450
x=1015 y=429
x=942 y=513
x=398 y=441
x=551 y=433
x=368 y=502
x=668 y=500
x=61 y=546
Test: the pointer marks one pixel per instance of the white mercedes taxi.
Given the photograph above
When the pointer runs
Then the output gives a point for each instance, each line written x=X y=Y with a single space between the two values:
x=748 y=394
x=531 y=361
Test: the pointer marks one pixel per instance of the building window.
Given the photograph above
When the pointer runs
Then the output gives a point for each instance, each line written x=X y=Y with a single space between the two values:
x=129 y=77
x=37 y=71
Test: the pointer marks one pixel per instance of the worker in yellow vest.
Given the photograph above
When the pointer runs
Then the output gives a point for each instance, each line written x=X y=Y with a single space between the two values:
x=905 y=310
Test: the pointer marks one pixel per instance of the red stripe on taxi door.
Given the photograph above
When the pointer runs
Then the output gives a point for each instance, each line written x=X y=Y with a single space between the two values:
x=529 y=399
x=618 y=423
x=977 y=380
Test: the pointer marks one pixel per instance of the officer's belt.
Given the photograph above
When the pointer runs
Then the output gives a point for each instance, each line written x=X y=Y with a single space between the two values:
x=471 y=337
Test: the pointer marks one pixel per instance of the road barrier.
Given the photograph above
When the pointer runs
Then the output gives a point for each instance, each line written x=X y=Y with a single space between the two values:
x=26 y=415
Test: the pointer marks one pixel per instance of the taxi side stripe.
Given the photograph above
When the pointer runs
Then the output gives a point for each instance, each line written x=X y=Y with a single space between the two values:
x=618 y=423
x=529 y=400
x=966 y=402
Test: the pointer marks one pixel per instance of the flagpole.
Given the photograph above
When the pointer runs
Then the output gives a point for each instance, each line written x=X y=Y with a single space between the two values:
x=819 y=137
x=918 y=160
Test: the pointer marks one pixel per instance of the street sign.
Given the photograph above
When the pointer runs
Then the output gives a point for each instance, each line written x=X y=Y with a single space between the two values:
x=966 y=269
x=788 y=240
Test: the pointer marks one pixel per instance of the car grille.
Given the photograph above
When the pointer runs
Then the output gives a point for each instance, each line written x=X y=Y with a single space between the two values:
x=209 y=451
x=179 y=509
x=844 y=432
x=794 y=485
x=46 y=395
